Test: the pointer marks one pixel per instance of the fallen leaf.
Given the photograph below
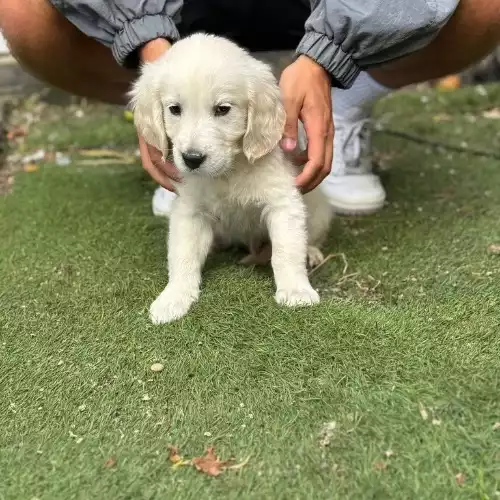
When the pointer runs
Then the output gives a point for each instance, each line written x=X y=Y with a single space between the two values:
x=492 y=114
x=210 y=463
x=326 y=434
x=173 y=454
x=436 y=421
x=98 y=162
x=496 y=426
x=31 y=167
x=450 y=82
x=16 y=132
x=110 y=463
x=389 y=453
x=102 y=153
x=380 y=465
x=423 y=412
x=460 y=478
x=494 y=248
x=441 y=117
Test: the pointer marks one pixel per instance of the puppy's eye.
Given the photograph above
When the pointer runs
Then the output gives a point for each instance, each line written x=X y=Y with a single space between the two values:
x=175 y=109
x=222 y=109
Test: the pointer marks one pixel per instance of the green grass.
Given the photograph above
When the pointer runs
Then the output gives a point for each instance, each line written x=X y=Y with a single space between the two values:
x=81 y=258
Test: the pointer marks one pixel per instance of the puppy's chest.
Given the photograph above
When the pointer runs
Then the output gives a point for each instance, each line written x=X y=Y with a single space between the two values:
x=236 y=215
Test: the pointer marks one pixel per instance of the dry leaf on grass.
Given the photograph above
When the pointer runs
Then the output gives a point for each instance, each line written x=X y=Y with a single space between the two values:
x=496 y=426
x=99 y=162
x=209 y=463
x=104 y=153
x=380 y=466
x=494 y=248
x=110 y=463
x=460 y=478
x=441 y=117
x=16 y=132
x=451 y=82
x=31 y=167
x=492 y=114
x=173 y=454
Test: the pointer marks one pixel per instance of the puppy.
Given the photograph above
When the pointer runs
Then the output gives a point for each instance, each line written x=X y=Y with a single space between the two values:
x=216 y=111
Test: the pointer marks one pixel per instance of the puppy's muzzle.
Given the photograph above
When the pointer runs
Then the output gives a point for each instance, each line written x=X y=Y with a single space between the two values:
x=193 y=159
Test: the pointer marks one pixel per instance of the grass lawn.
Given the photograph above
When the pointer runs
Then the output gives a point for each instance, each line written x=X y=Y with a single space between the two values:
x=410 y=330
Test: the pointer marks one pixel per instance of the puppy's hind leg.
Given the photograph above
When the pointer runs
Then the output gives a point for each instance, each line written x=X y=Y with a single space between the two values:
x=314 y=257
x=189 y=241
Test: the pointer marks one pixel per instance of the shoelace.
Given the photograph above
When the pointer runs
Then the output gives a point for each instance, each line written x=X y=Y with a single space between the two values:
x=355 y=141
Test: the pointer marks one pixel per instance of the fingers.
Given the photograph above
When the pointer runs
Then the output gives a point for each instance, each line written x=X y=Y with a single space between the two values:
x=167 y=167
x=319 y=130
x=292 y=110
x=161 y=172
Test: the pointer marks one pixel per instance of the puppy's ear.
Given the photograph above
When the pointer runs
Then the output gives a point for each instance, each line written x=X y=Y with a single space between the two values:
x=148 y=112
x=266 y=115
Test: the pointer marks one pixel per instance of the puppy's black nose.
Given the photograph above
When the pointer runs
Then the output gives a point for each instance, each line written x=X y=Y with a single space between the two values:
x=193 y=159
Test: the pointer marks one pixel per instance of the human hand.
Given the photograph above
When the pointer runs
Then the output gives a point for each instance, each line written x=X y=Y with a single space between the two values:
x=306 y=92
x=163 y=172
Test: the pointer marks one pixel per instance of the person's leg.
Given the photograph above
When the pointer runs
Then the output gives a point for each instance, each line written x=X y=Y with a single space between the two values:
x=470 y=34
x=50 y=48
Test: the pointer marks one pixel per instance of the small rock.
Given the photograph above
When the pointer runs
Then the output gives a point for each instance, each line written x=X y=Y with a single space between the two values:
x=423 y=412
x=62 y=160
x=326 y=433
x=157 y=367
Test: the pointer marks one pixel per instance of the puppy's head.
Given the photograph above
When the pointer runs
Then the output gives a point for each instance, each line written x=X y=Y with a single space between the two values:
x=210 y=100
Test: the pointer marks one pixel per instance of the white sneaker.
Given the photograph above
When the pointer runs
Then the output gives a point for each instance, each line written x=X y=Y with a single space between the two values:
x=351 y=187
x=162 y=202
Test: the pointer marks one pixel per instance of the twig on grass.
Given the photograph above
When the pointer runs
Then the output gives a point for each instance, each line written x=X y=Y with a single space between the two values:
x=327 y=259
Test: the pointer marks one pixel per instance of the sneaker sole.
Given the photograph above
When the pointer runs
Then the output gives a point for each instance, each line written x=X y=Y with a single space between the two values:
x=356 y=209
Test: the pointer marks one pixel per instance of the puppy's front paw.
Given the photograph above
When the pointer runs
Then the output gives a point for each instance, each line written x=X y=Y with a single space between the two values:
x=300 y=296
x=170 y=305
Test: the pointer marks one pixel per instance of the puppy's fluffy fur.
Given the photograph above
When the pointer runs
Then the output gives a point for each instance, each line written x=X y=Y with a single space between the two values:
x=209 y=98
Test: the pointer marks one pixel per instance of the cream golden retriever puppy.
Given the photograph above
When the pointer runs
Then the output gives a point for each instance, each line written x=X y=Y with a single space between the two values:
x=216 y=111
